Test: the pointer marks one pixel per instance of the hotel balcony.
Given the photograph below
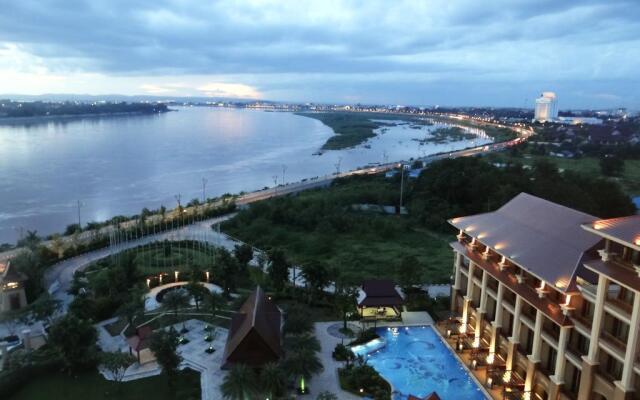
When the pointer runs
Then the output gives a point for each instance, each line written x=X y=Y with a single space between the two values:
x=613 y=343
x=551 y=309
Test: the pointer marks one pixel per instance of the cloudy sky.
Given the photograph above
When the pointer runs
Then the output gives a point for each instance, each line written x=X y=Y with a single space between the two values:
x=449 y=52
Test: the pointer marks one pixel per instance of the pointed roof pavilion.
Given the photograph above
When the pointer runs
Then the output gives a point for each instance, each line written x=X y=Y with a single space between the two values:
x=255 y=335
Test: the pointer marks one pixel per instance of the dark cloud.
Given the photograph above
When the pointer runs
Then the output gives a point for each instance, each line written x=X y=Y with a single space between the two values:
x=379 y=50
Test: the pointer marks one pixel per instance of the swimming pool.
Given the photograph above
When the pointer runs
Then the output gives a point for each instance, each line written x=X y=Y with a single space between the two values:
x=416 y=361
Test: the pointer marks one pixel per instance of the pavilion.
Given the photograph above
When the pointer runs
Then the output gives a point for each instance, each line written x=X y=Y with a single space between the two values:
x=12 y=294
x=140 y=344
x=255 y=334
x=379 y=299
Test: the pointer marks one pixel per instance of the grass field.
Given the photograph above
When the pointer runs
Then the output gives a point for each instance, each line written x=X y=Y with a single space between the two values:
x=320 y=226
x=630 y=180
x=94 y=387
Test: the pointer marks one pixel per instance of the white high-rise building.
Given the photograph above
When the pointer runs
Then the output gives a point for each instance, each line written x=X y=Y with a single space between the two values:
x=546 y=107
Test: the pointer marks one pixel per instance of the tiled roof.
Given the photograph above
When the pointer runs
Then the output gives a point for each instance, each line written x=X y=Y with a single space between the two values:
x=255 y=334
x=544 y=238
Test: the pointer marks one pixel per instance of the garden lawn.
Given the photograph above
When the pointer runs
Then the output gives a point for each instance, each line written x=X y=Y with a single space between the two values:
x=94 y=387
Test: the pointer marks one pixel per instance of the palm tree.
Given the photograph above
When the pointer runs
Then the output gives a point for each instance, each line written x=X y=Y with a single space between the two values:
x=239 y=383
x=272 y=381
x=32 y=240
x=302 y=364
x=300 y=342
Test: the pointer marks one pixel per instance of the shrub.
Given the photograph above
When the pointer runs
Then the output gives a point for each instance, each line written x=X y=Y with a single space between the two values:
x=365 y=336
x=364 y=377
x=341 y=353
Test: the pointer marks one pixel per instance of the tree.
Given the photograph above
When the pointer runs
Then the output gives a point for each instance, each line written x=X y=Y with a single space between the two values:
x=611 y=165
x=213 y=302
x=244 y=254
x=278 y=269
x=163 y=212
x=75 y=340
x=133 y=307
x=57 y=245
x=316 y=276
x=164 y=344
x=297 y=320
x=301 y=342
x=31 y=241
x=272 y=381
x=197 y=291
x=345 y=300
x=116 y=363
x=44 y=308
x=175 y=300
x=239 y=383
x=409 y=272
x=302 y=364
x=229 y=270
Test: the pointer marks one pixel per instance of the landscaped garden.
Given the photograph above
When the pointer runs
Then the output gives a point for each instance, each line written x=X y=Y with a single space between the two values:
x=63 y=386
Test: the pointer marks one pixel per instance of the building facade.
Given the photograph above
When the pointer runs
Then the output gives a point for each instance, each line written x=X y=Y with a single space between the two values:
x=12 y=294
x=546 y=107
x=548 y=301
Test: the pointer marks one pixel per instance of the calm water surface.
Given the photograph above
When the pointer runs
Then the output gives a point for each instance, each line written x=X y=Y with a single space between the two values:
x=118 y=165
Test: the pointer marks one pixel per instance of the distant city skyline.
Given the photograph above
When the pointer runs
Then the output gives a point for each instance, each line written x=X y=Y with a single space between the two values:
x=463 y=53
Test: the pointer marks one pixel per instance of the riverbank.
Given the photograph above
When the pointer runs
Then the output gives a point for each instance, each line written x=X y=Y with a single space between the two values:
x=36 y=119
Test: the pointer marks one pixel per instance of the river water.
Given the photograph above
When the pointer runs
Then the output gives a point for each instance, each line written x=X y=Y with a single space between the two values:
x=118 y=165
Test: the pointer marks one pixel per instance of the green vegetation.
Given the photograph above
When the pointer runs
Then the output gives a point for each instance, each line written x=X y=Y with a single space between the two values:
x=445 y=135
x=319 y=227
x=363 y=380
x=48 y=109
x=350 y=129
x=498 y=134
x=58 y=386
x=629 y=178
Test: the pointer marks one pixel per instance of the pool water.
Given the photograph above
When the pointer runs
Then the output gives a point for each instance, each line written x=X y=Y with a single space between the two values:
x=416 y=361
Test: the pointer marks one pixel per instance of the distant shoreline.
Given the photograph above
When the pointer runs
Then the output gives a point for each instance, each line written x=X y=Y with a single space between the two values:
x=46 y=118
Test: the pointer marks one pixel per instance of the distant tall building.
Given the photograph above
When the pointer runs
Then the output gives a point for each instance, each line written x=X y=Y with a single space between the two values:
x=546 y=107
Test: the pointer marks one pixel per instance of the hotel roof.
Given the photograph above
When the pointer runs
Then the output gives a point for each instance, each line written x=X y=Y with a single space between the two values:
x=624 y=230
x=544 y=238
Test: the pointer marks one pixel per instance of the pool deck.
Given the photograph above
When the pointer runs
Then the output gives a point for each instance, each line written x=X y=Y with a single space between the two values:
x=479 y=374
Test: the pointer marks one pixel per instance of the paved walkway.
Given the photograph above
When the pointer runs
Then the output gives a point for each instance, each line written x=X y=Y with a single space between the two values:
x=327 y=380
x=194 y=356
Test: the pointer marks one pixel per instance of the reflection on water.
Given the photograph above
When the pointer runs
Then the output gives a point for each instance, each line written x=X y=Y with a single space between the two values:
x=118 y=165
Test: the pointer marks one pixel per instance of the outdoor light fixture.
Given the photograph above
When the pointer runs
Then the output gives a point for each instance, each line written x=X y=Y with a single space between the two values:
x=207 y=273
x=361 y=390
x=490 y=358
x=148 y=282
x=448 y=332
x=175 y=273
x=490 y=383
x=474 y=364
x=160 y=278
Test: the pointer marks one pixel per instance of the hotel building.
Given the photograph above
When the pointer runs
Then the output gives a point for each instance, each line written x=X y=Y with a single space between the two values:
x=546 y=107
x=546 y=301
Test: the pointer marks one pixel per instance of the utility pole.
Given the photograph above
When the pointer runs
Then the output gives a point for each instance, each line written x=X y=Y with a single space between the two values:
x=204 y=185
x=338 y=165
x=401 y=186
x=275 y=183
x=284 y=168
x=79 y=222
